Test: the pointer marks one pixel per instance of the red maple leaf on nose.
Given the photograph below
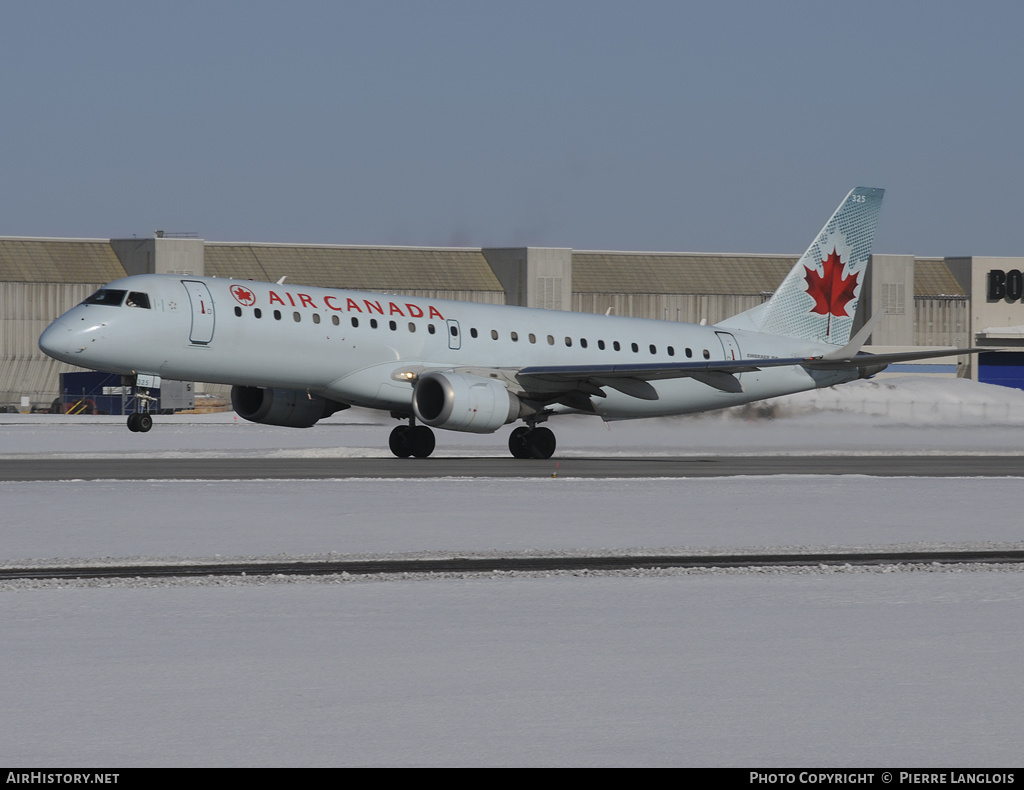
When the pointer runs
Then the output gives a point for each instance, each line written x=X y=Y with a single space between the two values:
x=830 y=290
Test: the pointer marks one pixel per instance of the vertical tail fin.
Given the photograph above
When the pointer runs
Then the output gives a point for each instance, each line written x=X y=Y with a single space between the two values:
x=818 y=299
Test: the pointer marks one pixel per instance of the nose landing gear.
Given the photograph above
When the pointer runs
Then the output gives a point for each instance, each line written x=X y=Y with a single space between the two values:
x=139 y=421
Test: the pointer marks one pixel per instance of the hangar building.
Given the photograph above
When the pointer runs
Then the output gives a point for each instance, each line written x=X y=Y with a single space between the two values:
x=928 y=302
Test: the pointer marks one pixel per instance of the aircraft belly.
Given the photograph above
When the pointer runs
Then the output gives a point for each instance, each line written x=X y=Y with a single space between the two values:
x=372 y=387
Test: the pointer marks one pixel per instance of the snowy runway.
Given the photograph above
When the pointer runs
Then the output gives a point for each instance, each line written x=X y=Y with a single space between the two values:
x=768 y=670
x=227 y=519
x=821 y=668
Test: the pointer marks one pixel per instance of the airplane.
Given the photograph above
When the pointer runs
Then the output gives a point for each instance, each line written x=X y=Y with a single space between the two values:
x=295 y=354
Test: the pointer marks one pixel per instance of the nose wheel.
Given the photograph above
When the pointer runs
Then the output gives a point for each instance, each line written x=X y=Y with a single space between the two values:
x=527 y=442
x=139 y=422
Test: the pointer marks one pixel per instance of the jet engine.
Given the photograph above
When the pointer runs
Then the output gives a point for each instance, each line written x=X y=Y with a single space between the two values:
x=457 y=402
x=290 y=408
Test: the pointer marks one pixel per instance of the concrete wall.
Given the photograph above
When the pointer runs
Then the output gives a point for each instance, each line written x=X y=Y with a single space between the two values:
x=989 y=312
x=890 y=287
x=160 y=256
x=533 y=276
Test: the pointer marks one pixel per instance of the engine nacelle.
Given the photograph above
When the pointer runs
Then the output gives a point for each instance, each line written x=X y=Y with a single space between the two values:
x=290 y=408
x=457 y=402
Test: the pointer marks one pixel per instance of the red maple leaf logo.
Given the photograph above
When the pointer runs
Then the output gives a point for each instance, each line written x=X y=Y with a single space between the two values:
x=830 y=290
x=243 y=295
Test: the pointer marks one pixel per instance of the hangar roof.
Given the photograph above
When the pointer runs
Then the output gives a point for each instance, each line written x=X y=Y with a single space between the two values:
x=363 y=268
x=678 y=273
x=451 y=269
x=58 y=261
x=932 y=277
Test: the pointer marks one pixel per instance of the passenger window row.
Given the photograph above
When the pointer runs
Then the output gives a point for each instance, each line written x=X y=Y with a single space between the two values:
x=513 y=336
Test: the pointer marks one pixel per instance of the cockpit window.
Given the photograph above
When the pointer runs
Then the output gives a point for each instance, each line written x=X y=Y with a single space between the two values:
x=108 y=297
x=137 y=299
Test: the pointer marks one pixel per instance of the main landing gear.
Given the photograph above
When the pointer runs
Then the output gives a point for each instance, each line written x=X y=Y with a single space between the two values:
x=411 y=439
x=417 y=441
x=528 y=441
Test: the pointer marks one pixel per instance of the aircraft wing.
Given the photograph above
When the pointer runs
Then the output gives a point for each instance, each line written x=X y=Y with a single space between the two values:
x=864 y=360
x=634 y=379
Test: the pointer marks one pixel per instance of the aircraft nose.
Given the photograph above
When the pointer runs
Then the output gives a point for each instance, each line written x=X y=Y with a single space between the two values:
x=63 y=340
x=55 y=340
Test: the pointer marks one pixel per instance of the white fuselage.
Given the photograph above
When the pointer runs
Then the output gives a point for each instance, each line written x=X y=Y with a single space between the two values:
x=353 y=347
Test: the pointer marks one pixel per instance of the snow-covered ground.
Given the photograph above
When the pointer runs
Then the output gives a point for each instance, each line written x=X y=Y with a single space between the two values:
x=819 y=667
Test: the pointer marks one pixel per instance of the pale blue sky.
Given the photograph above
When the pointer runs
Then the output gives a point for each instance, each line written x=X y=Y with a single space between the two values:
x=720 y=126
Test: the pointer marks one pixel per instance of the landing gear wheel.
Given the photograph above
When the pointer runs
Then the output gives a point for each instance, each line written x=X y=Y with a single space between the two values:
x=517 y=442
x=139 y=422
x=526 y=442
x=421 y=441
x=399 y=441
x=541 y=442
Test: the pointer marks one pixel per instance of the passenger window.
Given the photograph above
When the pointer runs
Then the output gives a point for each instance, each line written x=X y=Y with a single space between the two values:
x=297 y=316
x=707 y=354
x=392 y=325
x=494 y=334
x=316 y=318
x=430 y=328
x=454 y=330
x=238 y=311
x=258 y=313
x=616 y=346
x=600 y=344
x=412 y=327
x=515 y=337
x=568 y=342
x=355 y=321
x=671 y=351
x=277 y=315
x=136 y=299
x=689 y=353
x=335 y=320
x=654 y=349
x=373 y=323
x=551 y=340
x=583 y=342
x=473 y=332
x=635 y=347
x=533 y=338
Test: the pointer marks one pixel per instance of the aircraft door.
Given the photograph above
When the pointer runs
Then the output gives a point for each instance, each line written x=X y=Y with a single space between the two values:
x=729 y=346
x=454 y=334
x=202 y=312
